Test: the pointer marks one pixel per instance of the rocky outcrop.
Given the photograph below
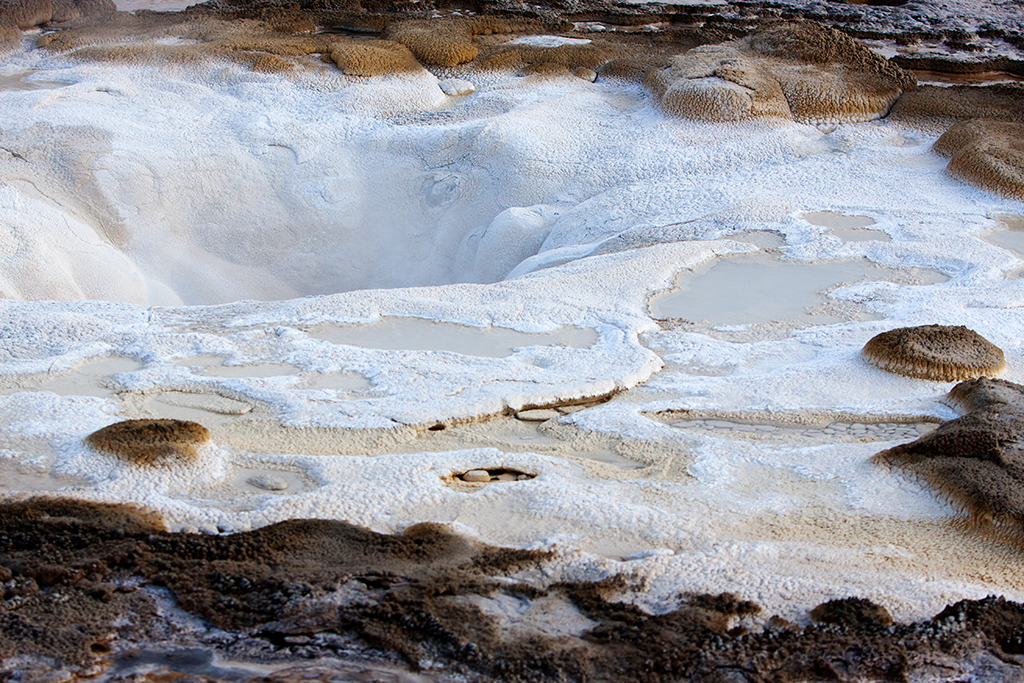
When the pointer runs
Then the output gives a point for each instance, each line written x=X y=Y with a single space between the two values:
x=19 y=15
x=975 y=461
x=803 y=71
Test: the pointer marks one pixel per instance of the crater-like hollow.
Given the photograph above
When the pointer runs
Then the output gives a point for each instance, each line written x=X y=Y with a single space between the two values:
x=255 y=209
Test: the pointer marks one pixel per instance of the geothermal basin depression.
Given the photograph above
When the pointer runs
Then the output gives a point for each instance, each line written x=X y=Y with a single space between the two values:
x=563 y=296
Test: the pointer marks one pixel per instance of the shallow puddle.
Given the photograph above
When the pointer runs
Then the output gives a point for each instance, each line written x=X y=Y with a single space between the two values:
x=209 y=410
x=765 y=239
x=19 y=477
x=419 y=334
x=861 y=235
x=89 y=379
x=252 y=480
x=16 y=81
x=834 y=219
x=213 y=366
x=1012 y=238
x=833 y=431
x=760 y=289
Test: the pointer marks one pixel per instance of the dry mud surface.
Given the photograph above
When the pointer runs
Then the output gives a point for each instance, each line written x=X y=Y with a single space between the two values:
x=84 y=589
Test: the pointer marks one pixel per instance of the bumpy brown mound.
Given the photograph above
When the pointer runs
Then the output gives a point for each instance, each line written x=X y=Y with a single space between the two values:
x=438 y=43
x=986 y=153
x=938 y=352
x=372 y=57
x=29 y=13
x=151 y=442
x=18 y=15
x=803 y=71
x=144 y=39
x=976 y=461
x=277 y=42
x=449 y=41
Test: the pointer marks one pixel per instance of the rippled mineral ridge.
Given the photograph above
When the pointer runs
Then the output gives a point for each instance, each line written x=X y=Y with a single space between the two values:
x=176 y=236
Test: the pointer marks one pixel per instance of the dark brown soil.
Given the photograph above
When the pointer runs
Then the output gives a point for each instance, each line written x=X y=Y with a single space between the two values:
x=82 y=592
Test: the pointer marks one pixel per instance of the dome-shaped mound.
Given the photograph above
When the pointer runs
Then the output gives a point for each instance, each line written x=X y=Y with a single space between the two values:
x=372 y=57
x=988 y=154
x=942 y=353
x=151 y=442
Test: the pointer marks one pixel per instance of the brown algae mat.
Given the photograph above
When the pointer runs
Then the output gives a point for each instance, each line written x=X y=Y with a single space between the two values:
x=85 y=590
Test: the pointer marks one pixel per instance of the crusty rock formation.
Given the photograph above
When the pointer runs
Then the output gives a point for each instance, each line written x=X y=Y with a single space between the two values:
x=942 y=353
x=449 y=41
x=976 y=461
x=802 y=71
x=437 y=43
x=151 y=442
x=18 y=15
x=563 y=59
x=986 y=153
x=372 y=57
x=30 y=13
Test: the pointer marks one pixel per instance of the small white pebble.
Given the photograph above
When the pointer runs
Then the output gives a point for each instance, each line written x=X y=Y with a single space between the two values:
x=455 y=87
x=477 y=476
x=267 y=482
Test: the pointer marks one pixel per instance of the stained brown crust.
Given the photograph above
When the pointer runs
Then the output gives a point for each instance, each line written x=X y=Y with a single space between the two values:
x=152 y=442
x=976 y=462
x=942 y=353
x=79 y=587
x=799 y=70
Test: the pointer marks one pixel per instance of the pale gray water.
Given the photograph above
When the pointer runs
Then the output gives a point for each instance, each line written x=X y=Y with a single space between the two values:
x=419 y=334
x=760 y=289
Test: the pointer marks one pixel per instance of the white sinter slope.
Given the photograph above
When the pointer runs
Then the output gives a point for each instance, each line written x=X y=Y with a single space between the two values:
x=534 y=204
